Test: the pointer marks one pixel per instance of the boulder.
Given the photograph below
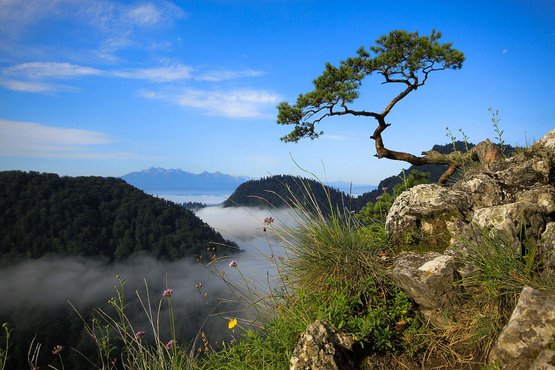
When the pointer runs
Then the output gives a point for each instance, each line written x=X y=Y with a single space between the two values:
x=430 y=280
x=530 y=331
x=321 y=347
x=420 y=214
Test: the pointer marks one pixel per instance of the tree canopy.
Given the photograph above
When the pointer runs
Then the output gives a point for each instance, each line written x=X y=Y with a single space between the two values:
x=401 y=58
x=45 y=214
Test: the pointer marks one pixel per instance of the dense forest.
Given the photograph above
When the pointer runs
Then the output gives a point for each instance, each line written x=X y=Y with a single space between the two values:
x=286 y=190
x=44 y=214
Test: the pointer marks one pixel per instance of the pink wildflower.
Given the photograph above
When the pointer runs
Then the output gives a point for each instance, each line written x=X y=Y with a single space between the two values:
x=57 y=349
x=170 y=344
x=233 y=263
x=268 y=220
x=139 y=334
x=167 y=293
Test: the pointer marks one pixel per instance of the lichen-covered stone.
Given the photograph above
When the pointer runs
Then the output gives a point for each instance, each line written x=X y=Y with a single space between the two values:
x=508 y=220
x=321 y=347
x=484 y=190
x=419 y=214
x=530 y=330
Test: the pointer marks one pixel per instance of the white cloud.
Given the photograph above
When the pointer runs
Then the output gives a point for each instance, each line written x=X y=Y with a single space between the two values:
x=161 y=74
x=28 y=139
x=113 y=25
x=40 y=70
x=223 y=75
x=145 y=15
x=33 y=86
x=239 y=103
x=30 y=77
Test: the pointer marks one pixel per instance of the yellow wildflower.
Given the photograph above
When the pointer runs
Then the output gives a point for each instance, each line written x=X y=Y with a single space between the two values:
x=232 y=323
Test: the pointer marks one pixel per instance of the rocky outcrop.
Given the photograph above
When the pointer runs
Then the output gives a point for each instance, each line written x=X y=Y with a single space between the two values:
x=509 y=202
x=531 y=329
x=511 y=196
x=321 y=347
x=510 y=199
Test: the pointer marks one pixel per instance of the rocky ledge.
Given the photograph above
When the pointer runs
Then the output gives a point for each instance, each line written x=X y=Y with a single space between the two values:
x=510 y=199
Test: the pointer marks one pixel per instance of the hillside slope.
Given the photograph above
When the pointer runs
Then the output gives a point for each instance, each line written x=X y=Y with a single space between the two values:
x=45 y=214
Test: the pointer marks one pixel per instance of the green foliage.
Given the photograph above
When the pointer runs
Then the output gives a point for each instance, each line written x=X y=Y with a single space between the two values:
x=495 y=121
x=332 y=273
x=279 y=190
x=44 y=214
x=399 y=57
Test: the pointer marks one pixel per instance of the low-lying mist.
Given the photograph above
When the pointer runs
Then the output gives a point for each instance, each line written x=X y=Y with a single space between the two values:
x=198 y=289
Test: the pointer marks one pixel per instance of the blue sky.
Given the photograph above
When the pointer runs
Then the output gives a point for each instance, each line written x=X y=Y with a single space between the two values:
x=98 y=87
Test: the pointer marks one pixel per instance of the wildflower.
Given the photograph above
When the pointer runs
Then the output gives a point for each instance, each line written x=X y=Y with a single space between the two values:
x=233 y=263
x=139 y=334
x=268 y=220
x=384 y=188
x=378 y=198
x=57 y=349
x=167 y=293
x=170 y=344
x=232 y=323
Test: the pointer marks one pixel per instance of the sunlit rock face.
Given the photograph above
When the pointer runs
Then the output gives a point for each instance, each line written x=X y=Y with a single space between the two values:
x=507 y=196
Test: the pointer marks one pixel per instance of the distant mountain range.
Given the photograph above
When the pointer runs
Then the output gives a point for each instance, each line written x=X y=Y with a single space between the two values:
x=177 y=181
x=160 y=180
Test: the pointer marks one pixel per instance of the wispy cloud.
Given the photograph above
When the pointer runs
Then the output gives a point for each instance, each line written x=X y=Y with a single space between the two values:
x=34 y=86
x=28 y=139
x=37 y=76
x=40 y=70
x=161 y=74
x=113 y=25
x=238 y=103
x=223 y=75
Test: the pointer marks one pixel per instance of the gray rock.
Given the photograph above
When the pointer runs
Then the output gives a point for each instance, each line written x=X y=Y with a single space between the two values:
x=530 y=330
x=419 y=215
x=321 y=347
x=547 y=245
x=430 y=280
x=547 y=142
x=505 y=221
x=484 y=190
x=544 y=361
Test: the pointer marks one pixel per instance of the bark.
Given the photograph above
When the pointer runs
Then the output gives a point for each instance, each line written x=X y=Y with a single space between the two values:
x=454 y=160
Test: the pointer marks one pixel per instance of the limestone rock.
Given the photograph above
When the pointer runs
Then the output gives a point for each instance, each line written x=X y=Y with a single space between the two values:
x=544 y=361
x=506 y=220
x=484 y=190
x=420 y=214
x=430 y=280
x=547 y=245
x=530 y=330
x=547 y=142
x=321 y=347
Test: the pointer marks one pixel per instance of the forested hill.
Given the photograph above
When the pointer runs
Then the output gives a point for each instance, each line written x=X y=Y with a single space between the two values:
x=284 y=190
x=45 y=214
